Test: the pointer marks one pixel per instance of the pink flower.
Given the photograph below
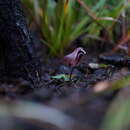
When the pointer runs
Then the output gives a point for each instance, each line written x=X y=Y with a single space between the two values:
x=74 y=58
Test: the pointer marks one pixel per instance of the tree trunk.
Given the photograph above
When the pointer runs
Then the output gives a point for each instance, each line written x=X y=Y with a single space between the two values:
x=17 y=54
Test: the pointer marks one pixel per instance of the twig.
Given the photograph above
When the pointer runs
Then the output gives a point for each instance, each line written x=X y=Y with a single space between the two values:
x=122 y=41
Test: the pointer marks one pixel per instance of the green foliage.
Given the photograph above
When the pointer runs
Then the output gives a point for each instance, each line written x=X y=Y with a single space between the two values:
x=62 y=22
x=61 y=76
x=64 y=77
x=118 y=116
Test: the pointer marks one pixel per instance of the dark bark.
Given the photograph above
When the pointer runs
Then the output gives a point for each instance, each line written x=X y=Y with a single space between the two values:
x=17 y=55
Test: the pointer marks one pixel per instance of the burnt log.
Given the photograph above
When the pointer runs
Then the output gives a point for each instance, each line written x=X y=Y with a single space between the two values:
x=17 y=55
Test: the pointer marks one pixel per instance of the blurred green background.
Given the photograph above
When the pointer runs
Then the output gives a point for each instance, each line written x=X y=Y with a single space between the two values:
x=61 y=22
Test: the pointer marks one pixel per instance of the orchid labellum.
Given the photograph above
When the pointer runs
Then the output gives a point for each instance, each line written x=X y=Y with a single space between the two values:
x=74 y=58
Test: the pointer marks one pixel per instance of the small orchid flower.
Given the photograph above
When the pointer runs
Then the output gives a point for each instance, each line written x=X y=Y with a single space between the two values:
x=74 y=58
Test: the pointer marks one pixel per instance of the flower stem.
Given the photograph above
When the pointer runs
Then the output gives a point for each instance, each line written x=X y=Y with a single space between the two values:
x=70 y=78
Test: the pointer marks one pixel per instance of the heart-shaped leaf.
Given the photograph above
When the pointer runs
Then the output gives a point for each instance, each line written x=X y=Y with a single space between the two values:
x=65 y=77
x=61 y=76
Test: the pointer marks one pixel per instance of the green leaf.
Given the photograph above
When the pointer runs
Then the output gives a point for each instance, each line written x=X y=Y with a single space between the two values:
x=118 y=115
x=103 y=65
x=61 y=76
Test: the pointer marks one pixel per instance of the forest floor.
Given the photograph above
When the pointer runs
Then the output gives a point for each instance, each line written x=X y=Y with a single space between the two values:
x=75 y=98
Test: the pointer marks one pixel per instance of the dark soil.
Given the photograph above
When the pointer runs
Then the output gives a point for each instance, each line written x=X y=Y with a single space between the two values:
x=75 y=98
